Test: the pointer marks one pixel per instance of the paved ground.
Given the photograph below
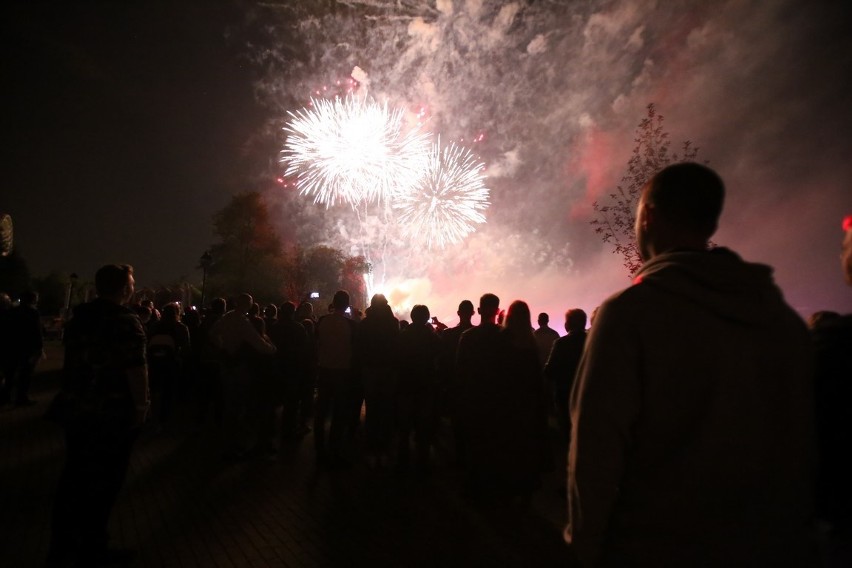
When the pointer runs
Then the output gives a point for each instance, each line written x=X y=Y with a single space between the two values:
x=183 y=506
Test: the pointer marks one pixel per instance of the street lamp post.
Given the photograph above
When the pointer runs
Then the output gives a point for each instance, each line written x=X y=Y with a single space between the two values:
x=205 y=261
x=72 y=280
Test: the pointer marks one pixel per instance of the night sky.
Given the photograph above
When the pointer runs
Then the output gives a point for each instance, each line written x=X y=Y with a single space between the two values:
x=127 y=127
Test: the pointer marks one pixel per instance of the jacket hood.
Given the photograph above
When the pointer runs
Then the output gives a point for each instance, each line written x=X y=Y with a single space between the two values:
x=718 y=279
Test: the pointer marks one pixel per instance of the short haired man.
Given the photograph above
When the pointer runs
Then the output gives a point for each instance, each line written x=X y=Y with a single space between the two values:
x=561 y=366
x=450 y=338
x=477 y=365
x=102 y=405
x=335 y=341
x=544 y=337
x=236 y=336
x=692 y=409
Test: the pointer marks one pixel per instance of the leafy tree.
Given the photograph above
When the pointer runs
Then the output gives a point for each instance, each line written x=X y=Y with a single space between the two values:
x=322 y=266
x=14 y=274
x=248 y=256
x=616 y=218
x=53 y=291
x=352 y=279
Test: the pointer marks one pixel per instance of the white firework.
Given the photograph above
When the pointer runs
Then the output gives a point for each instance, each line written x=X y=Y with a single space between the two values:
x=448 y=201
x=353 y=150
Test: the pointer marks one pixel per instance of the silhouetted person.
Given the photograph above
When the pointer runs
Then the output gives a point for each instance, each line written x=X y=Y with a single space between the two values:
x=238 y=339
x=7 y=353
x=167 y=345
x=519 y=421
x=291 y=339
x=561 y=367
x=255 y=318
x=692 y=440
x=419 y=348
x=270 y=315
x=335 y=339
x=377 y=347
x=209 y=381
x=102 y=405
x=450 y=338
x=477 y=365
x=26 y=347
x=833 y=391
x=544 y=337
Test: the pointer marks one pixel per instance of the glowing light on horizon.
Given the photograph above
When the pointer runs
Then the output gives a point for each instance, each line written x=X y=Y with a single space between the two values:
x=448 y=201
x=352 y=150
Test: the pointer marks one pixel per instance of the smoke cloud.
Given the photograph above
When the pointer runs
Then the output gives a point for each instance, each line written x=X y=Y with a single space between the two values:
x=555 y=90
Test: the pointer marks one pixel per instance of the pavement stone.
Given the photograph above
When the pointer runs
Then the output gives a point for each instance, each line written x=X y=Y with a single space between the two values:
x=183 y=506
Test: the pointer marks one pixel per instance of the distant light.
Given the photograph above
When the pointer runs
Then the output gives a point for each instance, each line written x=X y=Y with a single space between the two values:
x=314 y=295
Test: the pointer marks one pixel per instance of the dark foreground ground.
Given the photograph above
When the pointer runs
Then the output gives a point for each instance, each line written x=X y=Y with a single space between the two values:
x=183 y=506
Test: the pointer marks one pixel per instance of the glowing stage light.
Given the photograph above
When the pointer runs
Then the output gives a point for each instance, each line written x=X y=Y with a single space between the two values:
x=353 y=150
x=448 y=200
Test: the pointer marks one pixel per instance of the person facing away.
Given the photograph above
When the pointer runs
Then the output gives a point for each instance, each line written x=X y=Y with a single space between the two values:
x=692 y=441
x=335 y=336
x=240 y=343
x=102 y=405
x=477 y=364
x=450 y=338
x=291 y=340
x=419 y=348
x=544 y=337
x=561 y=367
x=833 y=393
x=168 y=344
x=26 y=347
x=377 y=346
x=518 y=422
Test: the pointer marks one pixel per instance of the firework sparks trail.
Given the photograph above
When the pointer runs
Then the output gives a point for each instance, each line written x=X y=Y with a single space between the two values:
x=352 y=150
x=448 y=201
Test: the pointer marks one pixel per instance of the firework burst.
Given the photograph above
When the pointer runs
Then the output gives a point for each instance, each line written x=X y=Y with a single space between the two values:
x=353 y=150
x=448 y=201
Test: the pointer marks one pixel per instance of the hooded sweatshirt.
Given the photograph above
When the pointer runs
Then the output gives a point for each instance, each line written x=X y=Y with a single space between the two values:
x=692 y=412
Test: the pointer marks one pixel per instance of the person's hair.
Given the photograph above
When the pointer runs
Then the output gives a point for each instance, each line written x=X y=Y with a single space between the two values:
x=489 y=301
x=340 y=301
x=378 y=300
x=575 y=319
x=171 y=312
x=287 y=310
x=110 y=280
x=518 y=316
x=466 y=307
x=688 y=195
x=419 y=314
x=305 y=310
x=244 y=302
x=543 y=318
x=518 y=323
x=270 y=311
x=218 y=305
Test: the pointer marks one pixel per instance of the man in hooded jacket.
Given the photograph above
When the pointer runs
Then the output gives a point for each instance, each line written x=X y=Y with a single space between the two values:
x=692 y=410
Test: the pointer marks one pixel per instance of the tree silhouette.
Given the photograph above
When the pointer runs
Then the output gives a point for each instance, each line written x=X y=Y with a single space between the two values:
x=248 y=256
x=616 y=218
